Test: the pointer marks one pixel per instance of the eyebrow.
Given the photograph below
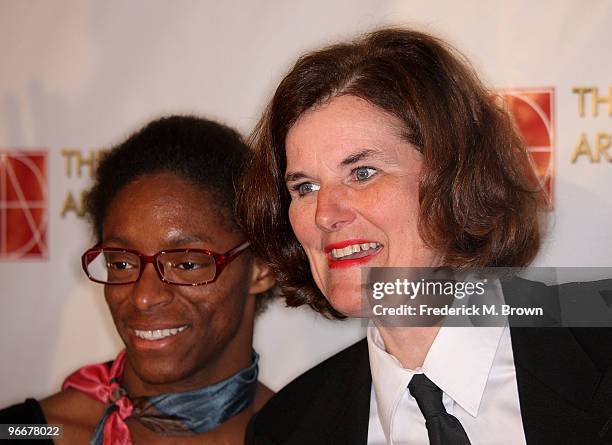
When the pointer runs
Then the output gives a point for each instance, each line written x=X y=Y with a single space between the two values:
x=360 y=156
x=186 y=239
x=348 y=161
x=294 y=176
x=172 y=242
x=114 y=240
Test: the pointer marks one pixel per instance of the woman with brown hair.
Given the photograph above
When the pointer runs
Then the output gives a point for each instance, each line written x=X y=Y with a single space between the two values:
x=388 y=151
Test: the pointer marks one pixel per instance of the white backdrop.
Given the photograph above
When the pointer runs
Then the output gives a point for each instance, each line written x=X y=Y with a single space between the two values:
x=80 y=75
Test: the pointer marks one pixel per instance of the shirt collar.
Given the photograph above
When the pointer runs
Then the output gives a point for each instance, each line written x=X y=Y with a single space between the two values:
x=389 y=379
x=459 y=362
x=470 y=352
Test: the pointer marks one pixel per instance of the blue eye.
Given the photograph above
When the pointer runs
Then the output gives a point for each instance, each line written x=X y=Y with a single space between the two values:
x=305 y=188
x=361 y=174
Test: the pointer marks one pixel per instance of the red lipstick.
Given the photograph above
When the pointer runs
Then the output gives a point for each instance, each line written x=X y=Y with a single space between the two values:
x=358 y=258
x=345 y=243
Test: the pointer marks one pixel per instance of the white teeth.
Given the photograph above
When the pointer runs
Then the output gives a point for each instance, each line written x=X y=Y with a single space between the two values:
x=158 y=334
x=353 y=248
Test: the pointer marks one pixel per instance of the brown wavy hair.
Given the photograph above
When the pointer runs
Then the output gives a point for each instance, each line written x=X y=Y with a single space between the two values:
x=478 y=193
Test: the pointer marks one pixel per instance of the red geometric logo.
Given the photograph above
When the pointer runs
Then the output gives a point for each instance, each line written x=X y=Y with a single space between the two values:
x=533 y=112
x=23 y=204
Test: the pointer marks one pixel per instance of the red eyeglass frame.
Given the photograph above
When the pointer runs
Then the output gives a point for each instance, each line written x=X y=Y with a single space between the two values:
x=221 y=261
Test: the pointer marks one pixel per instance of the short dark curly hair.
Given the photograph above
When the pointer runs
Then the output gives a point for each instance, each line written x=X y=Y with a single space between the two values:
x=478 y=194
x=205 y=153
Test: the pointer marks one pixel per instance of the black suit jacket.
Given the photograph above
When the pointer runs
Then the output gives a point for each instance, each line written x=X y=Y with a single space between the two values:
x=564 y=385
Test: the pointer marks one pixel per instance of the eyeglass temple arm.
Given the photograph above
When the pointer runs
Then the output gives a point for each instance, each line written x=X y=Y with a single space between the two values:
x=224 y=259
x=229 y=255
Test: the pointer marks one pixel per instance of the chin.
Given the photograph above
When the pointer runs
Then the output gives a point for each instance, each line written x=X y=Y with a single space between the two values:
x=347 y=300
x=161 y=375
x=158 y=371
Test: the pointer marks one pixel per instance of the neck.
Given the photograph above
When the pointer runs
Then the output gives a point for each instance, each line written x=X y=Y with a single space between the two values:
x=409 y=345
x=215 y=371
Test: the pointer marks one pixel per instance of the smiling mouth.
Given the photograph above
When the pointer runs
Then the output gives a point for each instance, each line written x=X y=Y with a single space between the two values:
x=355 y=251
x=159 y=334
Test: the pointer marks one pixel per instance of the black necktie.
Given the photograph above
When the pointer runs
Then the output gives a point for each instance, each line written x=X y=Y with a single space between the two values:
x=442 y=428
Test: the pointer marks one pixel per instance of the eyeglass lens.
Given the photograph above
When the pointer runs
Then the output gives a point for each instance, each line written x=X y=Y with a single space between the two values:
x=116 y=267
x=186 y=267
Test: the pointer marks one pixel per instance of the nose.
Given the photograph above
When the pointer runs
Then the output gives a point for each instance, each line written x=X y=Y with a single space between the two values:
x=334 y=209
x=149 y=291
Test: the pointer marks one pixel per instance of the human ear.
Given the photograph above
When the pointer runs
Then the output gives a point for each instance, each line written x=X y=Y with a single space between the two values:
x=262 y=278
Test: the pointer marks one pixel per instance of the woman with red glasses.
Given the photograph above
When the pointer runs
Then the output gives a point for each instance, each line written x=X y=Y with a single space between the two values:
x=183 y=289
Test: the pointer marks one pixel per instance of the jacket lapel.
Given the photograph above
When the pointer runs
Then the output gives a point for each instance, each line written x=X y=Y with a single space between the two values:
x=328 y=405
x=561 y=391
x=351 y=427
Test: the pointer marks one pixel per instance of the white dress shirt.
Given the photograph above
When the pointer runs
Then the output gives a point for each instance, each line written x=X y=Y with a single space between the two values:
x=474 y=368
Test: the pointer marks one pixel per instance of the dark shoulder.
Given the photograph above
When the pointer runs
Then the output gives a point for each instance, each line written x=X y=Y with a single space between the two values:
x=328 y=373
x=78 y=413
x=72 y=405
x=262 y=395
x=316 y=399
x=26 y=412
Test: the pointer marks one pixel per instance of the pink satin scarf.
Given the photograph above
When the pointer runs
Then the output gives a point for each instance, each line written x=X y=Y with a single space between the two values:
x=176 y=414
x=101 y=382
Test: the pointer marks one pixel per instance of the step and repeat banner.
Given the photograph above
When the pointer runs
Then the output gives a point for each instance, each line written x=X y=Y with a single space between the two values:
x=79 y=76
